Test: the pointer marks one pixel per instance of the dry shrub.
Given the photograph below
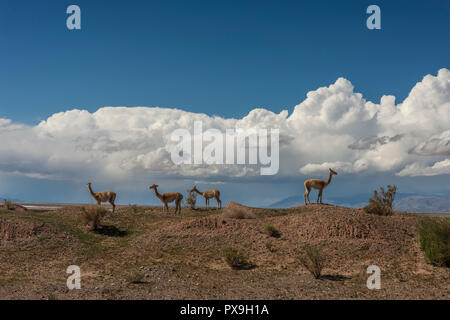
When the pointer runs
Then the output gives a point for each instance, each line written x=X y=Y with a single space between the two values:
x=313 y=260
x=92 y=215
x=135 y=277
x=8 y=205
x=381 y=203
x=238 y=213
x=192 y=199
x=236 y=258
x=271 y=230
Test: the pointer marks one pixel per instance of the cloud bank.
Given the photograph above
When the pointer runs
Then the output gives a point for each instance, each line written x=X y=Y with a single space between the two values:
x=333 y=127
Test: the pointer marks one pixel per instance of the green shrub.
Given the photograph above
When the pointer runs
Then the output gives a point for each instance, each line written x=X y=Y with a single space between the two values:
x=434 y=236
x=236 y=258
x=381 y=203
x=271 y=231
x=313 y=260
x=92 y=215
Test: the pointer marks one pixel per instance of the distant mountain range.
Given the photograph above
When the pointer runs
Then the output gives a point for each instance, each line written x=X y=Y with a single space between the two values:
x=354 y=201
x=423 y=204
x=3 y=198
x=403 y=202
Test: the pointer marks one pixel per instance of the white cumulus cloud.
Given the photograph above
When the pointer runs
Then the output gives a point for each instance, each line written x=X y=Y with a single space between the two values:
x=415 y=169
x=333 y=127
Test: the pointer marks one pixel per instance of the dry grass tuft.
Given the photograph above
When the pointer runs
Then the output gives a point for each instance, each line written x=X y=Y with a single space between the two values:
x=271 y=230
x=313 y=260
x=135 y=277
x=236 y=258
x=92 y=215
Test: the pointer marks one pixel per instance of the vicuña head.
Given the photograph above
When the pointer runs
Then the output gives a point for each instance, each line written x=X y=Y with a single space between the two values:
x=153 y=186
x=332 y=171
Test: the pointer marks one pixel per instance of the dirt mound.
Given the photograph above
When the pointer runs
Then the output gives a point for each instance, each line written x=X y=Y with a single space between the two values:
x=13 y=207
x=233 y=205
x=319 y=222
x=345 y=234
x=184 y=256
x=345 y=223
x=23 y=232
x=234 y=210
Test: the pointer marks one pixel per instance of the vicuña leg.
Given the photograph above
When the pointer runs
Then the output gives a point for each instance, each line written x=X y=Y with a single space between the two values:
x=179 y=206
x=306 y=195
x=218 y=202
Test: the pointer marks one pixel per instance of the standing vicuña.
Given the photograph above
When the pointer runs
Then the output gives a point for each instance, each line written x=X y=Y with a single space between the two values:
x=317 y=184
x=104 y=196
x=208 y=194
x=168 y=197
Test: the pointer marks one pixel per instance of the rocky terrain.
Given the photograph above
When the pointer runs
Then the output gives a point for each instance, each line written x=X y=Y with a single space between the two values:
x=143 y=253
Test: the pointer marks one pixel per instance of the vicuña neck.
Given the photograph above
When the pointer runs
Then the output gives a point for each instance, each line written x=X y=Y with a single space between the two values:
x=156 y=192
x=329 y=178
x=90 y=190
x=198 y=191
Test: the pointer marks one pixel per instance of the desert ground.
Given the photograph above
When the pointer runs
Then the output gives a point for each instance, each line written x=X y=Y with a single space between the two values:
x=140 y=252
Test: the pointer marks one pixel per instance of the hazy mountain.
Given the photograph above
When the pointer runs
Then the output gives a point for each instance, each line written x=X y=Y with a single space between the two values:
x=423 y=204
x=403 y=202
x=288 y=202
x=3 y=198
x=297 y=200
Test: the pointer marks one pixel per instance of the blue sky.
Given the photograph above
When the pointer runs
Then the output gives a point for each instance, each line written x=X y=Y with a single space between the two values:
x=217 y=57
x=222 y=58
